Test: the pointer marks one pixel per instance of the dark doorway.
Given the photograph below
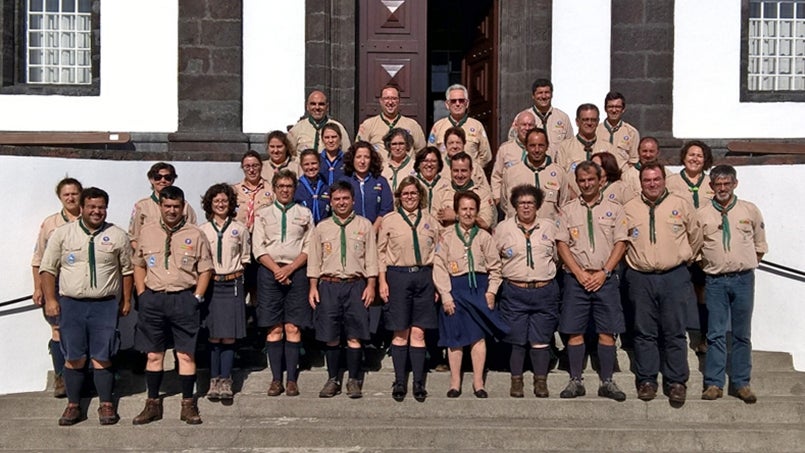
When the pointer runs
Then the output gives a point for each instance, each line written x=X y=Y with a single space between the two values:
x=462 y=48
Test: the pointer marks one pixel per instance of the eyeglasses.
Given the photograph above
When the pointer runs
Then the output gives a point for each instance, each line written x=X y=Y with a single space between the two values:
x=283 y=186
x=457 y=101
x=252 y=166
x=526 y=203
x=390 y=98
x=317 y=104
x=397 y=143
x=160 y=177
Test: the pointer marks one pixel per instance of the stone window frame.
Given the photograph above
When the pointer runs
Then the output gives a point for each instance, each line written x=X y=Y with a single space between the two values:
x=13 y=16
x=747 y=95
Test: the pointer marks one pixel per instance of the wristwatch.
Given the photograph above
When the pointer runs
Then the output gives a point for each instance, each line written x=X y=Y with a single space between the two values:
x=607 y=273
x=199 y=297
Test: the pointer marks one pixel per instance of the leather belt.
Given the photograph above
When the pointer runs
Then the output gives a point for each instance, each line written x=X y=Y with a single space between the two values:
x=408 y=269
x=529 y=285
x=327 y=278
x=228 y=277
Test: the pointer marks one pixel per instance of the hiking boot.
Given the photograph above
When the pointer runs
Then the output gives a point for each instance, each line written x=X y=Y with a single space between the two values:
x=71 y=415
x=151 y=413
x=354 y=389
x=712 y=392
x=574 y=388
x=541 y=386
x=646 y=391
x=275 y=389
x=59 y=390
x=292 y=389
x=190 y=413
x=214 y=393
x=609 y=389
x=331 y=388
x=225 y=389
x=516 y=389
x=745 y=394
x=107 y=414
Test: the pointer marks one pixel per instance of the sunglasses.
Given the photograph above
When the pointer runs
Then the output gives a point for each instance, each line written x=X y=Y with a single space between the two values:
x=168 y=178
x=457 y=101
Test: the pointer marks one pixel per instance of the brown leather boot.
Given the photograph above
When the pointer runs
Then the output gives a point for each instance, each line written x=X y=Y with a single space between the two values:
x=541 y=386
x=516 y=389
x=59 y=391
x=190 y=413
x=151 y=413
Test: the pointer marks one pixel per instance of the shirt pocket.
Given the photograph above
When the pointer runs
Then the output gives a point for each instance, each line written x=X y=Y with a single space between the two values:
x=105 y=252
x=186 y=261
x=676 y=226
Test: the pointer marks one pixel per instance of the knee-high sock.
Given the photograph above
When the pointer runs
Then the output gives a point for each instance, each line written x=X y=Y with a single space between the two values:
x=73 y=381
x=188 y=385
x=104 y=383
x=418 y=358
x=575 y=356
x=57 y=356
x=153 y=381
x=540 y=358
x=354 y=358
x=292 y=359
x=215 y=360
x=399 y=357
x=332 y=354
x=517 y=360
x=274 y=350
x=606 y=361
x=227 y=359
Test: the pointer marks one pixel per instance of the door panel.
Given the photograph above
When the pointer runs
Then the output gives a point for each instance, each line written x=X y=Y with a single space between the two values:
x=479 y=74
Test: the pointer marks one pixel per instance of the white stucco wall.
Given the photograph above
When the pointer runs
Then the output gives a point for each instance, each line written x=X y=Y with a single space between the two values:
x=707 y=62
x=138 y=78
x=273 y=64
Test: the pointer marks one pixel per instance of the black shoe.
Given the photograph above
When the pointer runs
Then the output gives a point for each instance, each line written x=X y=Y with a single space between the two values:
x=480 y=393
x=419 y=392
x=574 y=389
x=454 y=393
x=398 y=391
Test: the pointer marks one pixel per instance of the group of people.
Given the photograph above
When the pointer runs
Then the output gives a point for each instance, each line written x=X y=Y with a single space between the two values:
x=321 y=230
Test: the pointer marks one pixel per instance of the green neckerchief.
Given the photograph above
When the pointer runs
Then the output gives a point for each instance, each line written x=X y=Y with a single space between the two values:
x=458 y=123
x=64 y=216
x=93 y=279
x=430 y=186
x=396 y=170
x=638 y=166
x=590 y=226
x=220 y=250
x=317 y=126
x=280 y=166
x=154 y=197
x=344 y=236
x=543 y=118
x=522 y=147
x=169 y=231
x=725 y=221
x=588 y=146
x=470 y=184
x=606 y=186
x=391 y=124
x=529 y=257
x=413 y=226
x=693 y=187
x=612 y=129
x=536 y=170
x=284 y=209
x=468 y=248
x=651 y=225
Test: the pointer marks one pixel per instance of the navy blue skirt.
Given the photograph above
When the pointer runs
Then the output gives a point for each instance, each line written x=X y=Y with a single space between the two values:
x=473 y=320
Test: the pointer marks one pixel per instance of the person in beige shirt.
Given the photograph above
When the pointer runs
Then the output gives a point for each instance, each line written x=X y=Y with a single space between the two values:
x=648 y=150
x=614 y=130
x=230 y=245
x=373 y=129
x=281 y=240
x=400 y=161
x=69 y=191
x=160 y=175
x=591 y=242
x=443 y=201
x=429 y=168
x=537 y=169
x=342 y=267
x=529 y=296
x=172 y=270
x=457 y=101
x=613 y=187
x=455 y=139
x=92 y=261
x=254 y=191
x=280 y=156
x=555 y=122
x=663 y=238
x=586 y=143
x=512 y=151
x=406 y=243
x=734 y=244
x=466 y=272
x=306 y=133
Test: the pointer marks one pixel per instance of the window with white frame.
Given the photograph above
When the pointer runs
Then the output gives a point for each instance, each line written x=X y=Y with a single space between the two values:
x=775 y=46
x=59 y=42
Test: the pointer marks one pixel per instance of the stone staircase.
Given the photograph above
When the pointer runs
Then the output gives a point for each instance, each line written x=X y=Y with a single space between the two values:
x=378 y=423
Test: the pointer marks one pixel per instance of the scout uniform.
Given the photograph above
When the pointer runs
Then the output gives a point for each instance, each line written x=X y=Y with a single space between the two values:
x=269 y=169
x=306 y=133
x=618 y=191
x=250 y=200
x=314 y=195
x=435 y=187
x=394 y=172
x=548 y=177
x=509 y=154
x=477 y=142
x=573 y=150
x=373 y=197
x=623 y=136
x=478 y=175
x=698 y=192
x=631 y=177
x=373 y=130
x=663 y=237
x=283 y=233
x=147 y=211
x=443 y=198
x=555 y=122
x=331 y=170
x=734 y=236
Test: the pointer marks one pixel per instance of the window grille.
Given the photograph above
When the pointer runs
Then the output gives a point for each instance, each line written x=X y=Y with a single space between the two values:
x=59 y=42
x=776 y=46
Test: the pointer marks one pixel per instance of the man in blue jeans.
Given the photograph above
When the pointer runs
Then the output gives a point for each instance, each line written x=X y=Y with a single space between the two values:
x=734 y=243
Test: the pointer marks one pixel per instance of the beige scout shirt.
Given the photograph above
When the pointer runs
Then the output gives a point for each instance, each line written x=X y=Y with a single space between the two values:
x=267 y=235
x=559 y=128
x=571 y=151
x=189 y=256
x=395 y=241
x=147 y=211
x=509 y=153
x=477 y=145
x=678 y=235
x=451 y=260
x=631 y=177
x=67 y=256
x=374 y=128
x=252 y=200
x=624 y=136
x=608 y=227
x=552 y=181
x=50 y=223
x=619 y=191
x=324 y=257
x=303 y=135
x=394 y=173
x=675 y=184
x=513 y=250
x=269 y=169
x=747 y=238
x=235 y=247
x=443 y=198
x=433 y=189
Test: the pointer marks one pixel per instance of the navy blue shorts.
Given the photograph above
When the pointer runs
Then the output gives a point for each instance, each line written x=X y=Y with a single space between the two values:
x=340 y=310
x=531 y=313
x=604 y=305
x=279 y=304
x=88 y=328
x=412 y=300
x=165 y=316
